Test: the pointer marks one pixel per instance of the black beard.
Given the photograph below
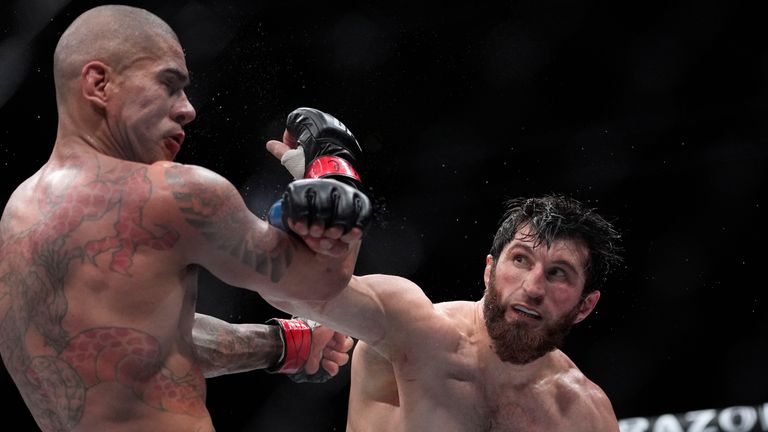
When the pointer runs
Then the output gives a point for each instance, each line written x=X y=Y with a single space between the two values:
x=515 y=342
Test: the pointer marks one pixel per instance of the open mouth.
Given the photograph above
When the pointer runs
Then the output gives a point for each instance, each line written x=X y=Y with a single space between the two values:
x=528 y=313
x=173 y=144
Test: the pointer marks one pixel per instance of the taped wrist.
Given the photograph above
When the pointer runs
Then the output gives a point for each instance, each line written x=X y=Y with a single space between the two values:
x=293 y=161
x=296 y=335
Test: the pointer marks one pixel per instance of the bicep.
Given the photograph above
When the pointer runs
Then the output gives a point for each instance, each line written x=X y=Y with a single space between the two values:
x=221 y=234
x=378 y=309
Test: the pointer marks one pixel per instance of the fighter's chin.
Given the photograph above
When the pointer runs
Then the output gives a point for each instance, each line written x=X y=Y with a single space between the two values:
x=521 y=340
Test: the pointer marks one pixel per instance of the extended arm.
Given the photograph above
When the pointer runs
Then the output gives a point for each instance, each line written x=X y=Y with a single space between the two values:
x=224 y=348
x=378 y=309
x=390 y=313
x=217 y=231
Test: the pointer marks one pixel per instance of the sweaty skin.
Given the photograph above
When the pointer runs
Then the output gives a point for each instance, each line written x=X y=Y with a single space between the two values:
x=100 y=249
x=434 y=368
x=93 y=299
x=449 y=392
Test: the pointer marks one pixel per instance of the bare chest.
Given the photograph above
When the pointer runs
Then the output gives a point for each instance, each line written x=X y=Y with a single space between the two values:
x=467 y=402
x=528 y=411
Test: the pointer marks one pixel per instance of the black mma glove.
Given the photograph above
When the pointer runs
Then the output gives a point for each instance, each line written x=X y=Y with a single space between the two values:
x=326 y=202
x=329 y=148
x=325 y=159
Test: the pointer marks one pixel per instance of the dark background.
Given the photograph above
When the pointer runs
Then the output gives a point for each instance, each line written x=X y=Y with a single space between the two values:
x=651 y=112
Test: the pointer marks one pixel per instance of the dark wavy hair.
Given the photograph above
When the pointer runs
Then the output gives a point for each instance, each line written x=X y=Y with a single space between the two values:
x=557 y=217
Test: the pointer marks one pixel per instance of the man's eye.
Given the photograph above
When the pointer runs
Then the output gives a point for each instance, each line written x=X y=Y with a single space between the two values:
x=519 y=258
x=557 y=272
x=171 y=87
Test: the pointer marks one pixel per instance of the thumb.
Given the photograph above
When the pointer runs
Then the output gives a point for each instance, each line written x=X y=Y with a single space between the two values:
x=277 y=148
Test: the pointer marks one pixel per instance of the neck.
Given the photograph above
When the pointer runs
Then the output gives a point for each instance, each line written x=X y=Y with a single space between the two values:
x=77 y=134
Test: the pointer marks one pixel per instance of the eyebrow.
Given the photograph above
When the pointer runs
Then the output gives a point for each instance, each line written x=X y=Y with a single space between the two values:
x=178 y=74
x=568 y=265
x=529 y=250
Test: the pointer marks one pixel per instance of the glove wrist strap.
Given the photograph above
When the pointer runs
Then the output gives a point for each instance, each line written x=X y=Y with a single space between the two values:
x=297 y=341
x=331 y=165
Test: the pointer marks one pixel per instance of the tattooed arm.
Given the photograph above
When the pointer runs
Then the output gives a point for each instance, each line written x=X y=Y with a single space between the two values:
x=218 y=231
x=223 y=348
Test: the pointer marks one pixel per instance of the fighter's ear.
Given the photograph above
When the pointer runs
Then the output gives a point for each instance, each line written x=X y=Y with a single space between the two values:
x=587 y=305
x=487 y=272
x=94 y=78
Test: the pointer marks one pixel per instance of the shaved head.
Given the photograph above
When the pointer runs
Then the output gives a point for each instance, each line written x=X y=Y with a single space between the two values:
x=113 y=34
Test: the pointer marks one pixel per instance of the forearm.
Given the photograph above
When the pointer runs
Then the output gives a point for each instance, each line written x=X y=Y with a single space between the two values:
x=217 y=231
x=365 y=310
x=315 y=278
x=224 y=348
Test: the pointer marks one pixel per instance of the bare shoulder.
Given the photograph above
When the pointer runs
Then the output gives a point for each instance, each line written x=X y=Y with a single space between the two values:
x=188 y=183
x=416 y=319
x=460 y=314
x=581 y=398
x=176 y=172
x=205 y=200
x=13 y=210
x=389 y=284
x=460 y=309
x=394 y=304
x=398 y=296
x=212 y=216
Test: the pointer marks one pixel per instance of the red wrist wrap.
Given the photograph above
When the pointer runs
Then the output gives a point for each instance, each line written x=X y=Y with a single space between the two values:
x=330 y=165
x=297 y=340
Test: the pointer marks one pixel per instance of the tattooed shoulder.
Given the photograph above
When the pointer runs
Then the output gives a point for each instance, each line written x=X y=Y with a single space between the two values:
x=206 y=201
x=212 y=206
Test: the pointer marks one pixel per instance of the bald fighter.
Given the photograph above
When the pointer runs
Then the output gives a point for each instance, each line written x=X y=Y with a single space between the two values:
x=488 y=365
x=100 y=249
